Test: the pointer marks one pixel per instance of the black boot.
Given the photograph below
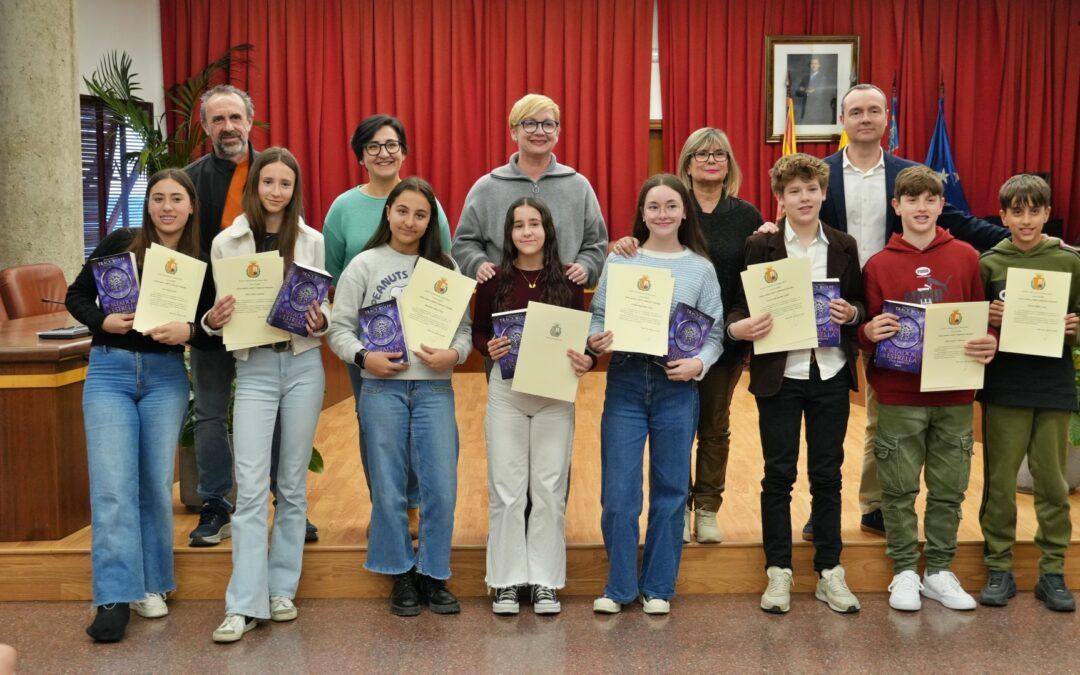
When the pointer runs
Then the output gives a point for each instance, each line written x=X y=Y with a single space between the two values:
x=433 y=593
x=404 y=598
x=110 y=623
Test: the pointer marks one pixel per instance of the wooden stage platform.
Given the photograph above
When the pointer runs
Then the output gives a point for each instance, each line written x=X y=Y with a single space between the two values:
x=60 y=570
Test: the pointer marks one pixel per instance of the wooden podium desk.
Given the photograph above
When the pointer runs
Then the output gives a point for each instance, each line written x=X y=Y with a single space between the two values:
x=44 y=490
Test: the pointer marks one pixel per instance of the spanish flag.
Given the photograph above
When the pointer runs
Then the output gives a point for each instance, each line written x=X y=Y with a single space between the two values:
x=789 y=130
x=843 y=139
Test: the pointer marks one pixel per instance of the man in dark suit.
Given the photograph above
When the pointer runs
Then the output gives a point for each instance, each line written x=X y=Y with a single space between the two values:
x=817 y=95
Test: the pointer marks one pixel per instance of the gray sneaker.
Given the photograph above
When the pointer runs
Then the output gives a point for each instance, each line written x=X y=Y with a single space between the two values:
x=1051 y=589
x=1000 y=586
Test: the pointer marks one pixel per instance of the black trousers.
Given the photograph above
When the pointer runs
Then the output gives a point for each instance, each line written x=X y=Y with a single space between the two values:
x=825 y=405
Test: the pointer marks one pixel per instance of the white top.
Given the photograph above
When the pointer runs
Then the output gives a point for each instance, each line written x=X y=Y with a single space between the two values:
x=866 y=206
x=830 y=360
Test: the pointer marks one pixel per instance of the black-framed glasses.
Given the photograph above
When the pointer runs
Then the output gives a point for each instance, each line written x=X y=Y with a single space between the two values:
x=547 y=126
x=705 y=155
x=373 y=149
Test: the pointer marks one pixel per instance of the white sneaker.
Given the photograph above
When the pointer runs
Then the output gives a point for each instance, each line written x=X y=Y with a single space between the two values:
x=151 y=607
x=777 y=596
x=946 y=589
x=705 y=528
x=655 y=605
x=233 y=628
x=832 y=588
x=506 y=601
x=686 y=526
x=904 y=592
x=282 y=608
x=605 y=605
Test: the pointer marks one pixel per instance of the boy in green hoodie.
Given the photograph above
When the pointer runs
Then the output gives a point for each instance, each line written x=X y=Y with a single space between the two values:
x=1026 y=405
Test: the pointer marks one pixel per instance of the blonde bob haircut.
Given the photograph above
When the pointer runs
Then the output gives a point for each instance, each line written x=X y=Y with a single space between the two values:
x=530 y=104
x=703 y=139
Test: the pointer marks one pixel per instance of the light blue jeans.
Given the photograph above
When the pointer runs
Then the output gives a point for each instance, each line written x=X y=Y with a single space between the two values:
x=133 y=406
x=410 y=423
x=269 y=382
x=357 y=381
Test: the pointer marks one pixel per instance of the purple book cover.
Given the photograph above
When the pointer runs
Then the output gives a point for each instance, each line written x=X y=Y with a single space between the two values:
x=903 y=351
x=302 y=286
x=117 y=280
x=687 y=332
x=510 y=325
x=828 y=331
x=381 y=329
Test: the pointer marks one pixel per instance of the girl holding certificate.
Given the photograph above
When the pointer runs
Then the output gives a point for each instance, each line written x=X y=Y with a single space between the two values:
x=134 y=400
x=285 y=377
x=645 y=399
x=529 y=438
x=406 y=404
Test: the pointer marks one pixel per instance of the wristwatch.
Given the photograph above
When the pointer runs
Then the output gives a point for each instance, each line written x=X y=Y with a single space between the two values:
x=359 y=358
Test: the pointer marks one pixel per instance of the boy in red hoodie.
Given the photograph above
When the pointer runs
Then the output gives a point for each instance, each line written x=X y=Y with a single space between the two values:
x=923 y=265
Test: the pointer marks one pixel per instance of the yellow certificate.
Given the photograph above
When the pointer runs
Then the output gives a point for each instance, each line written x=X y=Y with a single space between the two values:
x=254 y=280
x=782 y=288
x=1036 y=302
x=949 y=326
x=169 y=289
x=543 y=368
x=433 y=304
x=638 y=308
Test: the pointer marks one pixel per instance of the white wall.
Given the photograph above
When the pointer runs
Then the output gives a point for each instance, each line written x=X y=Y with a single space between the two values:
x=132 y=26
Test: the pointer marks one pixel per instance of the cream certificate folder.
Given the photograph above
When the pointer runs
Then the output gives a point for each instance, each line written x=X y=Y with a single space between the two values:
x=638 y=308
x=433 y=304
x=169 y=289
x=1036 y=302
x=949 y=325
x=543 y=368
x=254 y=280
x=782 y=288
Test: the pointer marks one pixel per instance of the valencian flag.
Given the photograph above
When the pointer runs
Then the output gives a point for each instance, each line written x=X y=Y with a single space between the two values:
x=789 y=124
x=894 y=126
x=939 y=158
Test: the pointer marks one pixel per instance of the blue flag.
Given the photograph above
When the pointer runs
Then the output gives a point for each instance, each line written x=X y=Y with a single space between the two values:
x=894 y=127
x=939 y=158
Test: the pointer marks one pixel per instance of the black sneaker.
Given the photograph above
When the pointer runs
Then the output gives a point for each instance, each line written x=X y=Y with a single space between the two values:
x=404 y=598
x=506 y=601
x=1000 y=586
x=1051 y=589
x=545 y=600
x=213 y=526
x=311 y=533
x=873 y=522
x=434 y=594
x=110 y=623
x=808 y=531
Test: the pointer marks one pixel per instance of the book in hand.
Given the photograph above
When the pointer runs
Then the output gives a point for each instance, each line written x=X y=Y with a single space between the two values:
x=302 y=286
x=828 y=331
x=904 y=350
x=381 y=329
x=509 y=325
x=687 y=332
x=117 y=280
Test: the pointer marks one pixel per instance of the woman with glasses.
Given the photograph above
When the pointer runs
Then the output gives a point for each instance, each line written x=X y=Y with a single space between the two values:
x=380 y=146
x=708 y=168
x=533 y=171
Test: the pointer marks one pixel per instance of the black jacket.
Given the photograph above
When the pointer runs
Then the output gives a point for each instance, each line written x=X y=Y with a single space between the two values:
x=212 y=176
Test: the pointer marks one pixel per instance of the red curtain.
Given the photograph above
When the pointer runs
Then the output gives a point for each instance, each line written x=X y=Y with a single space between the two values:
x=1011 y=72
x=449 y=69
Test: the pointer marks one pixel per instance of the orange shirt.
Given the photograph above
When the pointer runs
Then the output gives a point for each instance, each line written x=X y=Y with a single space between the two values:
x=234 y=197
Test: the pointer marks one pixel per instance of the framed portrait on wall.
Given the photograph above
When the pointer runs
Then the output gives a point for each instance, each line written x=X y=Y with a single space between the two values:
x=816 y=71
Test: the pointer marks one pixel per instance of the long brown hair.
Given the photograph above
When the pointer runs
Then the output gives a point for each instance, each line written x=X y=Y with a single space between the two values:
x=689 y=231
x=554 y=286
x=147 y=234
x=256 y=213
x=430 y=241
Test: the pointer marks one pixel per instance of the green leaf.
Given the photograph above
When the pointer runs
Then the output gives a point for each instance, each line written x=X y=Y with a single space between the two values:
x=316 y=463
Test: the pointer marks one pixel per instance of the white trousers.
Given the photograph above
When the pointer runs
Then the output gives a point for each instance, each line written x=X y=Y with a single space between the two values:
x=529 y=443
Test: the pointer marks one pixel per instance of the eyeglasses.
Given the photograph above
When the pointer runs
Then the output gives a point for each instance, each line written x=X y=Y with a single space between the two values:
x=548 y=126
x=704 y=156
x=373 y=149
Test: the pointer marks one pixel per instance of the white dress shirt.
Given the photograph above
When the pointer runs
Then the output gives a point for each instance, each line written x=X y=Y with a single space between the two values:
x=829 y=359
x=866 y=205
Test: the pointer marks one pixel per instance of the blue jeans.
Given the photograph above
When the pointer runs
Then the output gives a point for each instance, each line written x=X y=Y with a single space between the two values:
x=357 y=381
x=133 y=406
x=410 y=423
x=269 y=382
x=641 y=402
x=212 y=374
